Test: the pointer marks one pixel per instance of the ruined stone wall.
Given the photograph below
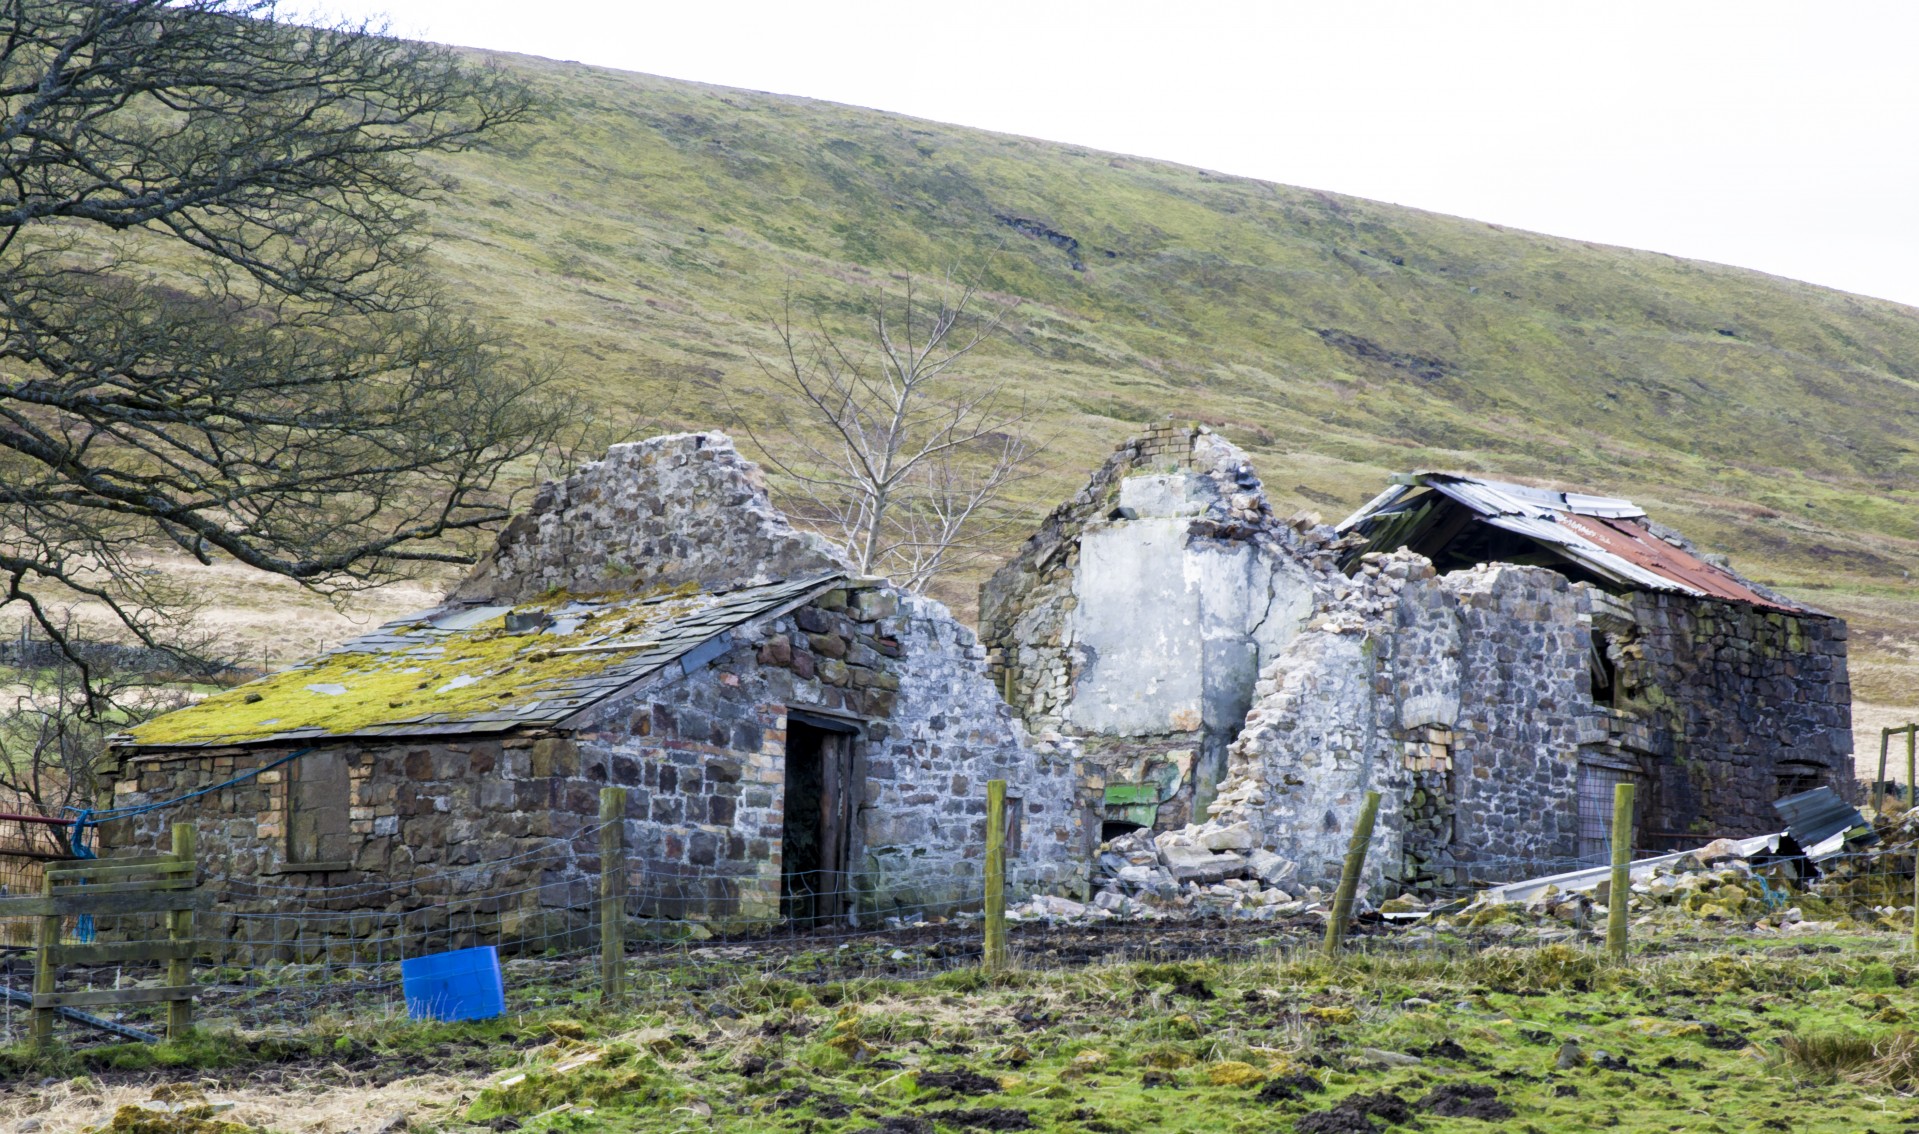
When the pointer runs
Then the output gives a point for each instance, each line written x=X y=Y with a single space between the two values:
x=1468 y=701
x=1525 y=707
x=1135 y=621
x=662 y=512
x=1729 y=707
x=1456 y=698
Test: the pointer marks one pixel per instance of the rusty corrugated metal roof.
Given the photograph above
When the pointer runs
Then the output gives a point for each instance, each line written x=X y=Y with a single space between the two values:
x=1608 y=536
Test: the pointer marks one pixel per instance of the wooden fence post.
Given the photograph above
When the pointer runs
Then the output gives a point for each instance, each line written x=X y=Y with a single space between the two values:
x=1879 y=785
x=612 y=893
x=48 y=940
x=1912 y=765
x=994 y=958
x=1620 y=894
x=180 y=930
x=1349 y=875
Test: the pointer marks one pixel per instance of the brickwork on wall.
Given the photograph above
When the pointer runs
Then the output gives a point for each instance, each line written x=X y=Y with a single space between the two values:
x=417 y=812
x=1524 y=707
x=684 y=508
x=1727 y=704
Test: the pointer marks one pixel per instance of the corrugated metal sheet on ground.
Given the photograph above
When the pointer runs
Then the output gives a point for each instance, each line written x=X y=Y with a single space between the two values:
x=1815 y=817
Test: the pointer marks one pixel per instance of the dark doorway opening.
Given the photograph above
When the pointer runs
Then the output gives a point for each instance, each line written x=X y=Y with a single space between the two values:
x=1605 y=674
x=816 y=841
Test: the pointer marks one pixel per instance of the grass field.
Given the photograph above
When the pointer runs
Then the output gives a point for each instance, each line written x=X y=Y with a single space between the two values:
x=1720 y=1032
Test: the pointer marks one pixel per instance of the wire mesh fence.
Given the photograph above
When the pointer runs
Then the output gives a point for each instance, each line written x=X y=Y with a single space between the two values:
x=278 y=955
x=27 y=844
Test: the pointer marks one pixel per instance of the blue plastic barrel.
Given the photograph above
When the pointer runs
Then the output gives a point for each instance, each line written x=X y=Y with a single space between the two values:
x=462 y=985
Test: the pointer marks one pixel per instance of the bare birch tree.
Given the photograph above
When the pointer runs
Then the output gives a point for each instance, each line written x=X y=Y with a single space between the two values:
x=895 y=450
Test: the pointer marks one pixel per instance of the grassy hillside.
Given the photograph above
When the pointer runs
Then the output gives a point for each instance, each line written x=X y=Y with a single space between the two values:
x=644 y=230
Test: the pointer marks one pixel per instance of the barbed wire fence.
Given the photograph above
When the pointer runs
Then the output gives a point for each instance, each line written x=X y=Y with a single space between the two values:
x=279 y=957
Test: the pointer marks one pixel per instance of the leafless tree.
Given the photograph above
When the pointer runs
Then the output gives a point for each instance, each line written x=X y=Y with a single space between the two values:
x=55 y=717
x=895 y=451
x=216 y=334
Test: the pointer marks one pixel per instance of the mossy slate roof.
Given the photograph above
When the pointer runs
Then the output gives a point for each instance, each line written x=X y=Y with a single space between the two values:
x=462 y=670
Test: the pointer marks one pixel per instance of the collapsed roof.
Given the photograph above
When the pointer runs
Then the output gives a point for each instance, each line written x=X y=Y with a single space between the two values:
x=1457 y=521
x=481 y=669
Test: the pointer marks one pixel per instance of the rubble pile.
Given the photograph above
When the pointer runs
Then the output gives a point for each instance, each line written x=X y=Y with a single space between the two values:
x=1711 y=884
x=1861 y=880
x=1188 y=873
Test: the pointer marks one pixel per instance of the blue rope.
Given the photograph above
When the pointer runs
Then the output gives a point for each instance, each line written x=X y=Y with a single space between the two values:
x=85 y=817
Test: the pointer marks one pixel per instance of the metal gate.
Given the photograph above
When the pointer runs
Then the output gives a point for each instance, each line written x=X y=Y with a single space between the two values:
x=1596 y=783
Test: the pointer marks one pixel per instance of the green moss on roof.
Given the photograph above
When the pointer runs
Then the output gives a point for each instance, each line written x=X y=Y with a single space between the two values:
x=412 y=670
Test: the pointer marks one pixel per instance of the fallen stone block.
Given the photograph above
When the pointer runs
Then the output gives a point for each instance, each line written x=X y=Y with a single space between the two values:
x=1053 y=906
x=1196 y=864
x=1270 y=868
x=1237 y=837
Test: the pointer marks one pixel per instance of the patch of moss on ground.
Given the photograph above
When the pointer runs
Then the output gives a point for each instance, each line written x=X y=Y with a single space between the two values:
x=1693 y=1038
x=1699 y=1033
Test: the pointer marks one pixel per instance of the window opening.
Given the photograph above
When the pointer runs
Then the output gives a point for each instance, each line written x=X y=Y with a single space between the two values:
x=1605 y=675
x=1795 y=776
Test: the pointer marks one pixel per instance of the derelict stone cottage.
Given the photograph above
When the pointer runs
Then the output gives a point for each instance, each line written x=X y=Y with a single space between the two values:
x=1492 y=658
x=797 y=742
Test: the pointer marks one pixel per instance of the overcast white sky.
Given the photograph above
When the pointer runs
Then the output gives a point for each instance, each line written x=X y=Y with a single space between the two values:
x=1776 y=136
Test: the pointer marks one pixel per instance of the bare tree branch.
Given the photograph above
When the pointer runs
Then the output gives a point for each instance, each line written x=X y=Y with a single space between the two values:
x=892 y=450
x=215 y=330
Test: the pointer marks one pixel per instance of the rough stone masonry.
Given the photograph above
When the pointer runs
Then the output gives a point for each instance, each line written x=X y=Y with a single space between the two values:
x=702 y=748
x=1129 y=624
x=1134 y=623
